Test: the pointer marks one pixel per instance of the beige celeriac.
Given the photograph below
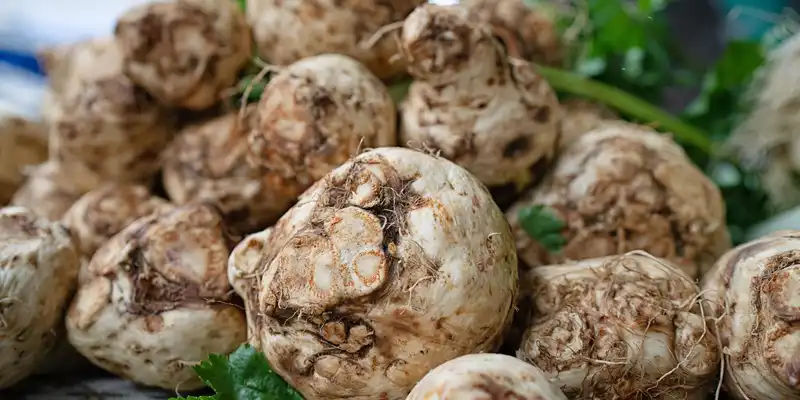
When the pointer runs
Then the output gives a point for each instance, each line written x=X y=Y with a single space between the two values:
x=752 y=294
x=103 y=127
x=185 y=53
x=620 y=327
x=317 y=113
x=157 y=299
x=626 y=187
x=23 y=143
x=392 y=264
x=485 y=376
x=208 y=162
x=492 y=115
x=38 y=273
x=286 y=31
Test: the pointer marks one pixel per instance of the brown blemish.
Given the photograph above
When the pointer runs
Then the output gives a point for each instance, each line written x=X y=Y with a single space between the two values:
x=516 y=147
x=154 y=323
x=494 y=390
x=153 y=291
x=542 y=115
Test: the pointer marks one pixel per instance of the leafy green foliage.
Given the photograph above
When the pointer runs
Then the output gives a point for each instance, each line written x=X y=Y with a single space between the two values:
x=718 y=109
x=243 y=375
x=719 y=103
x=253 y=77
x=399 y=90
x=256 y=90
x=544 y=226
x=624 y=44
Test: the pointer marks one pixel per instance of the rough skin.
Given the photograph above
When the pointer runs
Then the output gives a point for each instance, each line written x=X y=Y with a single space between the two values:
x=493 y=116
x=158 y=300
x=102 y=213
x=316 y=114
x=103 y=127
x=582 y=116
x=622 y=327
x=47 y=192
x=528 y=31
x=286 y=31
x=185 y=52
x=394 y=263
x=625 y=187
x=208 y=161
x=23 y=143
x=752 y=291
x=38 y=274
x=485 y=376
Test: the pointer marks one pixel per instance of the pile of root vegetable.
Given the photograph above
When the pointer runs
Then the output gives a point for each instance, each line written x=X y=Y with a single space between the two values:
x=372 y=200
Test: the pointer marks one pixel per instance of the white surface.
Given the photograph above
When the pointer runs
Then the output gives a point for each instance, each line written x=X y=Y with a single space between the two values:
x=21 y=92
x=30 y=24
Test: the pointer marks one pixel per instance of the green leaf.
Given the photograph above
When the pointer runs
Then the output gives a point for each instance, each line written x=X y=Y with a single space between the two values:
x=399 y=90
x=194 y=398
x=738 y=63
x=623 y=44
x=244 y=375
x=634 y=62
x=242 y=4
x=591 y=67
x=544 y=226
x=717 y=109
x=728 y=79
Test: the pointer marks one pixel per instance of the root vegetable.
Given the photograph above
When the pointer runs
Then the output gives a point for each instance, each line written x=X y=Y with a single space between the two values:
x=47 y=191
x=582 y=116
x=625 y=187
x=102 y=213
x=752 y=291
x=528 y=30
x=23 y=143
x=394 y=263
x=485 y=376
x=38 y=272
x=286 y=31
x=208 y=161
x=496 y=118
x=316 y=114
x=104 y=128
x=623 y=327
x=158 y=299
x=185 y=52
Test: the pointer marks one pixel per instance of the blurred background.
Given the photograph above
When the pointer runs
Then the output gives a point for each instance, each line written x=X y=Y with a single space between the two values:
x=27 y=25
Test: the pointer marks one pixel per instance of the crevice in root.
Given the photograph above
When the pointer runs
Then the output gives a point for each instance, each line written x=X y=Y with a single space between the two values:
x=152 y=292
x=314 y=326
x=5 y=304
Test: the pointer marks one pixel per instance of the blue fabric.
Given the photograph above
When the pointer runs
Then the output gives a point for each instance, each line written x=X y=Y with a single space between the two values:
x=24 y=61
x=750 y=25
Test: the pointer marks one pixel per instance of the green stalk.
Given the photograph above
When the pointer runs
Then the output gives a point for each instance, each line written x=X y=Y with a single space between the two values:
x=627 y=104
